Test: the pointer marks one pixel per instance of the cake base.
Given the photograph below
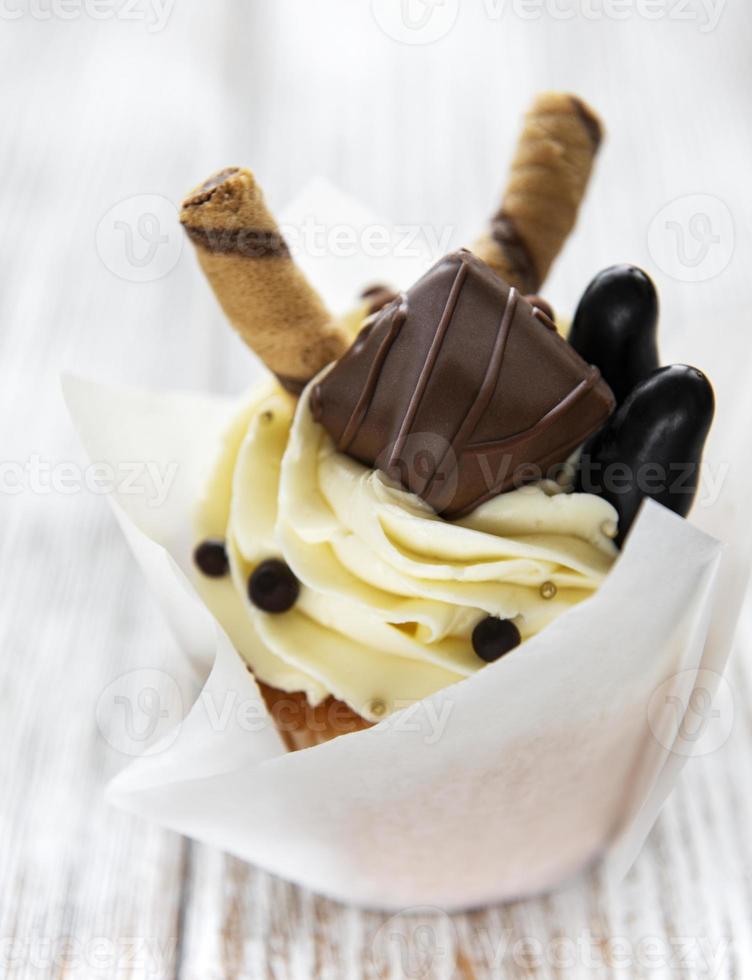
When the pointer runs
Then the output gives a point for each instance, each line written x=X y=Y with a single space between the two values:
x=301 y=725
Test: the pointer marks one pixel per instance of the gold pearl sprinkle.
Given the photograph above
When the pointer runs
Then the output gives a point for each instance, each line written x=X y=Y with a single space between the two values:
x=609 y=528
x=548 y=590
x=377 y=707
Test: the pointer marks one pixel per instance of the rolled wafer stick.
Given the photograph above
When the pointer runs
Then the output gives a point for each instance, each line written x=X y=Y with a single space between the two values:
x=547 y=182
x=264 y=294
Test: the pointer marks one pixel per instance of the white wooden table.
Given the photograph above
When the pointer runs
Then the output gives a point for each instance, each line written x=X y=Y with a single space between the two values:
x=95 y=112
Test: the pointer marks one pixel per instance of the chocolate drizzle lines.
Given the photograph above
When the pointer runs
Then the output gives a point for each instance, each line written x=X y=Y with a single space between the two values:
x=548 y=420
x=252 y=243
x=362 y=405
x=486 y=390
x=544 y=318
x=551 y=416
x=430 y=362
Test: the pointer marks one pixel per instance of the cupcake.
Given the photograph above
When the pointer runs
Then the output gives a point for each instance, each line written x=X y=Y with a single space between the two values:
x=422 y=485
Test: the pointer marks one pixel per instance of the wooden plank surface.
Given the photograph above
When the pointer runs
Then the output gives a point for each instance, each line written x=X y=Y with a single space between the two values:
x=95 y=112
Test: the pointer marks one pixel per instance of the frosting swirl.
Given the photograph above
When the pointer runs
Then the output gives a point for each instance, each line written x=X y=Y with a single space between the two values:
x=390 y=593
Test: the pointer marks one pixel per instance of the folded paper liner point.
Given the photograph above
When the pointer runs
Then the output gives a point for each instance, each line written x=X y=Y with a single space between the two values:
x=504 y=785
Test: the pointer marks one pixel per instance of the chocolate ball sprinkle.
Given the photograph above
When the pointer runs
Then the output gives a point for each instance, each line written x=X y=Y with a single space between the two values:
x=210 y=558
x=494 y=637
x=548 y=590
x=377 y=707
x=273 y=587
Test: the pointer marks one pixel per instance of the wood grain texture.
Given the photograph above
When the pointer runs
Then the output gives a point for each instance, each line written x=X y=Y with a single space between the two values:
x=97 y=112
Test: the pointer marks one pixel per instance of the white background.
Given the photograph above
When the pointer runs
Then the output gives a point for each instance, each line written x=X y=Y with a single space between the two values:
x=148 y=101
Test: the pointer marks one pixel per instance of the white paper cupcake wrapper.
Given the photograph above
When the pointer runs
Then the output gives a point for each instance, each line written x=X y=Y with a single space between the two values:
x=503 y=785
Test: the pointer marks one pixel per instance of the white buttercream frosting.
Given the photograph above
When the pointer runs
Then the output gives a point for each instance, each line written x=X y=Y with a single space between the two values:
x=390 y=593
